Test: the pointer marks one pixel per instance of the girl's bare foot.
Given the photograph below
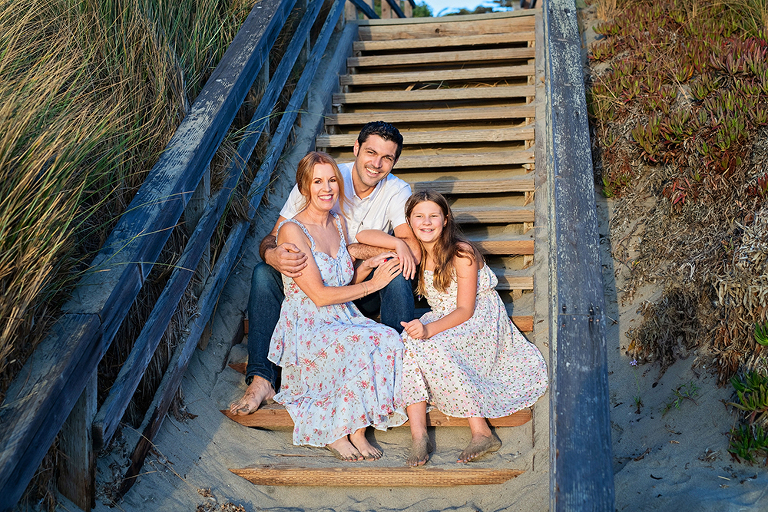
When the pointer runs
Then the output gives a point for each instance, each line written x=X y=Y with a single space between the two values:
x=367 y=450
x=420 y=450
x=479 y=446
x=342 y=449
x=258 y=391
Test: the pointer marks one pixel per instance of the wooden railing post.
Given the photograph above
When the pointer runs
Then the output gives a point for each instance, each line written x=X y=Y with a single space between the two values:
x=192 y=213
x=77 y=464
x=407 y=9
x=386 y=10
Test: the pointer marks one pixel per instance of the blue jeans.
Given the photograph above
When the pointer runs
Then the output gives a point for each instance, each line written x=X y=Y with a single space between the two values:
x=395 y=302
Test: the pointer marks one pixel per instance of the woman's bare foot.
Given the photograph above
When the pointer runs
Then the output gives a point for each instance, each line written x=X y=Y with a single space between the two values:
x=367 y=450
x=258 y=391
x=420 y=450
x=479 y=446
x=342 y=449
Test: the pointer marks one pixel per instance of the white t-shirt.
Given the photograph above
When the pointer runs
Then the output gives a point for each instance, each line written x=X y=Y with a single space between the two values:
x=383 y=209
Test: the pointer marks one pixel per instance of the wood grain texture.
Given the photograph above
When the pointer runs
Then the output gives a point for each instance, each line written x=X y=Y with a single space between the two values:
x=438 y=137
x=443 y=75
x=357 y=476
x=274 y=416
x=440 y=57
x=581 y=470
x=444 y=42
x=442 y=115
x=443 y=94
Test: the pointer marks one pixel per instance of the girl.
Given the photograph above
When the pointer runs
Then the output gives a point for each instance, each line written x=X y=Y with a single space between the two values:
x=341 y=370
x=465 y=356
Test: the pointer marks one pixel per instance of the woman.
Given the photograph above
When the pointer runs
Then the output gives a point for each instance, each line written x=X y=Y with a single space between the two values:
x=340 y=370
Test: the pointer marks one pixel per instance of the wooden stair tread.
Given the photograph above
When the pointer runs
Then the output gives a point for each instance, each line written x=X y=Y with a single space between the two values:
x=416 y=29
x=465 y=159
x=480 y=73
x=469 y=182
x=438 y=115
x=358 y=476
x=441 y=57
x=520 y=133
x=513 y=279
x=492 y=210
x=275 y=416
x=457 y=93
x=444 y=42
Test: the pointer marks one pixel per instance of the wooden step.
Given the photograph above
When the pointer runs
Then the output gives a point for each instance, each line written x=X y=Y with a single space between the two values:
x=443 y=136
x=355 y=475
x=514 y=279
x=441 y=57
x=424 y=95
x=444 y=115
x=442 y=75
x=447 y=181
x=274 y=416
x=473 y=210
x=445 y=160
x=443 y=42
x=416 y=29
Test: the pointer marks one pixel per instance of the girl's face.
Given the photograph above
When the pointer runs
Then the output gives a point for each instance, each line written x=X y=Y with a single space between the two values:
x=427 y=221
x=324 y=188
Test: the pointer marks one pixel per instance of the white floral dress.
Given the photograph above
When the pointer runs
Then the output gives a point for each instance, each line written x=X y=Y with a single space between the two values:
x=340 y=370
x=483 y=367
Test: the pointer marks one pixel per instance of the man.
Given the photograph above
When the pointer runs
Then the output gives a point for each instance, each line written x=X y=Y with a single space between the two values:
x=376 y=200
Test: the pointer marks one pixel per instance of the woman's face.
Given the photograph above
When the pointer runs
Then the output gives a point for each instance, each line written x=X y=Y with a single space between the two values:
x=427 y=221
x=324 y=188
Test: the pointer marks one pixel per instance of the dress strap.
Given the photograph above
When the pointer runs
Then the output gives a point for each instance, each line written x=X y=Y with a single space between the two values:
x=303 y=228
x=338 y=226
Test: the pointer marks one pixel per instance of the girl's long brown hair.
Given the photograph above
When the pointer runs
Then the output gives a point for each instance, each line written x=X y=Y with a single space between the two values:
x=448 y=246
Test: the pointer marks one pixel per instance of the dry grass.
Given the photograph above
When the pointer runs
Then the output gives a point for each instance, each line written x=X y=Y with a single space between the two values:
x=90 y=94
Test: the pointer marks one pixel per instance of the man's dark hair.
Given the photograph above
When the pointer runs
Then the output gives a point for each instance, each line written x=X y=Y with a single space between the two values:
x=384 y=130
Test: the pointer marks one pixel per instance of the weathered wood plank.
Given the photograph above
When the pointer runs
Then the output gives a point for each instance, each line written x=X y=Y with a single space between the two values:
x=438 y=137
x=437 y=115
x=396 y=8
x=465 y=159
x=455 y=94
x=443 y=75
x=514 y=280
x=581 y=469
x=365 y=9
x=357 y=476
x=128 y=255
x=415 y=28
x=444 y=42
x=469 y=182
x=440 y=57
x=132 y=371
x=276 y=417
x=523 y=246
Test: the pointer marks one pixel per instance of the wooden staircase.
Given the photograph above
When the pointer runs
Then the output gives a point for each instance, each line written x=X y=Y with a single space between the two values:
x=462 y=94
x=461 y=91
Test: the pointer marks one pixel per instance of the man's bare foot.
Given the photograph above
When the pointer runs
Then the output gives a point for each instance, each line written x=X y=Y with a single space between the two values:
x=258 y=391
x=479 y=446
x=420 y=450
x=367 y=450
x=342 y=449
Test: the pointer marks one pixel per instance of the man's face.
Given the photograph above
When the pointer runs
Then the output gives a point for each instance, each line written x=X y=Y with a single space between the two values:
x=374 y=160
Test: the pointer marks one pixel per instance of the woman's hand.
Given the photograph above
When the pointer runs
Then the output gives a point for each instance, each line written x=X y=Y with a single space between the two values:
x=415 y=329
x=377 y=260
x=385 y=273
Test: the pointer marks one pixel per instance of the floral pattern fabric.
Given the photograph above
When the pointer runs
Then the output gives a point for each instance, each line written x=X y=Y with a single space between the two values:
x=483 y=367
x=340 y=370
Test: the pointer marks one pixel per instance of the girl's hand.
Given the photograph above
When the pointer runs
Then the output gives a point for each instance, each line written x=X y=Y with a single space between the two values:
x=415 y=329
x=385 y=273
x=406 y=258
x=379 y=259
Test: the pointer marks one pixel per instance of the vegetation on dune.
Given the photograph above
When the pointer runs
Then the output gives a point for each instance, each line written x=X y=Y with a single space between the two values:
x=90 y=93
x=678 y=103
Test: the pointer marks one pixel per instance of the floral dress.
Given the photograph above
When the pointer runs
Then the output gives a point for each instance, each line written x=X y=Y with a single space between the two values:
x=340 y=370
x=483 y=367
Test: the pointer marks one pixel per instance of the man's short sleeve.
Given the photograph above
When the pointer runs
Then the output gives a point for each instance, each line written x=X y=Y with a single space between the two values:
x=396 y=208
x=291 y=206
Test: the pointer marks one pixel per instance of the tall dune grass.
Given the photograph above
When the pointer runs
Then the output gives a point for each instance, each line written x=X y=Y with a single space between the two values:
x=90 y=93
